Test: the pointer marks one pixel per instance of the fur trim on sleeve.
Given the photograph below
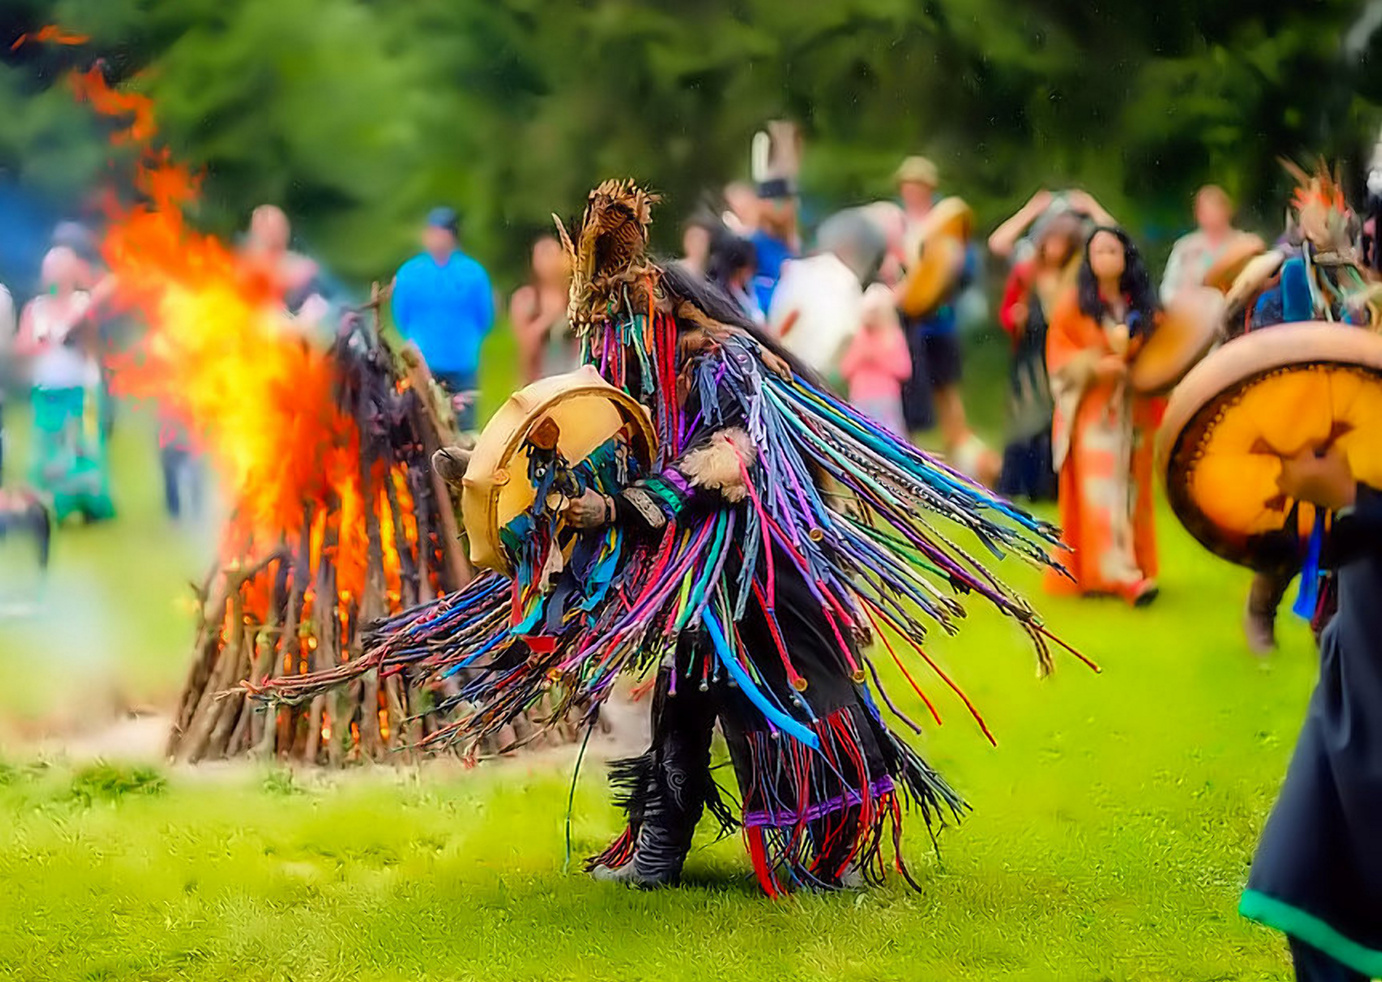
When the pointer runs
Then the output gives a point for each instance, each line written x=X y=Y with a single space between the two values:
x=716 y=465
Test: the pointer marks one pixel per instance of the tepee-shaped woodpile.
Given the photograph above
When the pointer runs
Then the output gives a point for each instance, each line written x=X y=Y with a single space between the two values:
x=301 y=602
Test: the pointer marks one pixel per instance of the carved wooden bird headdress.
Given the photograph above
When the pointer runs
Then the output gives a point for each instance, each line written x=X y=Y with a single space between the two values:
x=610 y=252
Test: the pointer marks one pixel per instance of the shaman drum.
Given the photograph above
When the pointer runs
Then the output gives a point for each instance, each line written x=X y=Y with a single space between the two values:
x=1266 y=396
x=944 y=233
x=1236 y=255
x=1183 y=335
x=588 y=412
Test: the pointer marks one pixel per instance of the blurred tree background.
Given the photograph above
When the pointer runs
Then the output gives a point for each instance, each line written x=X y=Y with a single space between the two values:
x=356 y=115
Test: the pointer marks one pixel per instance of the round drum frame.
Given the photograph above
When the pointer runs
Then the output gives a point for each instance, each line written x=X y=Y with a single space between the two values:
x=493 y=462
x=1219 y=383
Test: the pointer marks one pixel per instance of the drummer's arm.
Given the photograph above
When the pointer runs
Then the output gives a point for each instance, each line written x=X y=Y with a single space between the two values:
x=1069 y=361
x=707 y=476
x=1325 y=480
x=710 y=473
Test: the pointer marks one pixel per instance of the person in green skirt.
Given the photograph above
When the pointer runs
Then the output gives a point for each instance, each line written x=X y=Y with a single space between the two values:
x=56 y=333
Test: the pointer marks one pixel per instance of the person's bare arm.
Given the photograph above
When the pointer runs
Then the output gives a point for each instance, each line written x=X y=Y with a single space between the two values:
x=1082 y=200
x=525 y=315
x=25 y=343
x=1005 y=236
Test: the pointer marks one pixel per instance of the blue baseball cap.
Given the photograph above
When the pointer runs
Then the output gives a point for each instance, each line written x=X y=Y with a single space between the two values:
x=444 y=217
x=776 y=189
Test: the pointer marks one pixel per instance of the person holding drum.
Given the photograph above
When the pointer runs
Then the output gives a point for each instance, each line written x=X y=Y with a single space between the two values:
x=1194 y=254
x=701 y=511
x=939 y=264
x=1269 y=444
x=1314 y=274
x=1102 y=429
x=1317 y=875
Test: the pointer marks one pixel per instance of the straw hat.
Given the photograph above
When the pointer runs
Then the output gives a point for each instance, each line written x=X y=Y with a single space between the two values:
x=918 y=170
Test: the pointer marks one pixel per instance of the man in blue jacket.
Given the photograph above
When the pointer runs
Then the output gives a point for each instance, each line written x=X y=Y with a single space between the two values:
x=443 y=303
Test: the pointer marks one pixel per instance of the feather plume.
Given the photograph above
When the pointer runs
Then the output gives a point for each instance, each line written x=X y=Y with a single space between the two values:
x=1321 y=214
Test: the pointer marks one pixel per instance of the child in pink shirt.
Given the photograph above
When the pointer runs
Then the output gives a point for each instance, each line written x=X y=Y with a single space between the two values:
x=877 y=362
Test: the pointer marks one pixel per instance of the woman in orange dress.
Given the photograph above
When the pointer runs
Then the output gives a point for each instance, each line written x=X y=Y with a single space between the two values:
x=1102 y=430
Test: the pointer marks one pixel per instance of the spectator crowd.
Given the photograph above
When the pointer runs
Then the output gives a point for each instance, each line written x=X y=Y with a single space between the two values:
x=874 y=300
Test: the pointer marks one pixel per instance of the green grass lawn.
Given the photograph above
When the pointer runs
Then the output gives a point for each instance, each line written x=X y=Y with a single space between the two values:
x=1113 y=823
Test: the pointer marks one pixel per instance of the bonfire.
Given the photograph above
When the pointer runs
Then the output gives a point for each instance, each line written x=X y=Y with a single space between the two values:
x=322 y=450
x=356 y=527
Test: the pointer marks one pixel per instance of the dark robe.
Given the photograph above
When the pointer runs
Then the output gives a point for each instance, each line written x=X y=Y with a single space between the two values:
x=1317 y=875
x=1027 y=468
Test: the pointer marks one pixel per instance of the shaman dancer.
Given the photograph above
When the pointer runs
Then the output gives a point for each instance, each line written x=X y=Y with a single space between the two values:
x=773 y=532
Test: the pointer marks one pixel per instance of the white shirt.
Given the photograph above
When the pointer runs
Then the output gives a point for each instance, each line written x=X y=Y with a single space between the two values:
x=828 y=302
x=58 y=365
x=7 y=318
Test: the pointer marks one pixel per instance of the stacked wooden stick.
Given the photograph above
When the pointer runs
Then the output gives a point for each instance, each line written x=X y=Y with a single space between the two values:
x=277 y=608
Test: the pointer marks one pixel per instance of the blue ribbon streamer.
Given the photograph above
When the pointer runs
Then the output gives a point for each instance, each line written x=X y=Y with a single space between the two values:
x=797 y=731
x=1308 y=600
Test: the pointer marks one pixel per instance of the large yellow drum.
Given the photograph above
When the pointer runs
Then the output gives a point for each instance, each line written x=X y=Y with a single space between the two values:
x=936 y=270
x=1265 y=396
x=588 y=411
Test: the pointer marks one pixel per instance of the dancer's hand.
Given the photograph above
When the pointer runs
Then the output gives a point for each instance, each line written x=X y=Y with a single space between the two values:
x=590 y=511
x=775 y=363
x=1109 y=368
x=1324 y=480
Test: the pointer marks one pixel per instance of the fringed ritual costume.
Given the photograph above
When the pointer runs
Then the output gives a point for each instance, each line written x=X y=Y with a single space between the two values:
x=776 y=530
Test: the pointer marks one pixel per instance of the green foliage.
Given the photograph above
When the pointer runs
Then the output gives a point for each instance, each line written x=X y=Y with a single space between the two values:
x=105 y=781
x=357 y=115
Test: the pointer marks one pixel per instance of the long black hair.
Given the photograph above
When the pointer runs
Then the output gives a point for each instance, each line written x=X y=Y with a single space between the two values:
x=728 y=256
x=719 y=306
x=1135 y=283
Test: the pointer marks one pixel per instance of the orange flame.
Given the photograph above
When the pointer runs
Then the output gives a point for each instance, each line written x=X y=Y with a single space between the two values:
x=49 y=34
x=221 y=356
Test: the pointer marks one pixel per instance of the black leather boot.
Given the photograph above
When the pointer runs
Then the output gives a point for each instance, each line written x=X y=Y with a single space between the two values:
x=665 y=790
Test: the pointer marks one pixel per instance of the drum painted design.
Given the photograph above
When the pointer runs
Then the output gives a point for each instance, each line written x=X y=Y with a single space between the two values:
x=589 y=413
x=1258 y=399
